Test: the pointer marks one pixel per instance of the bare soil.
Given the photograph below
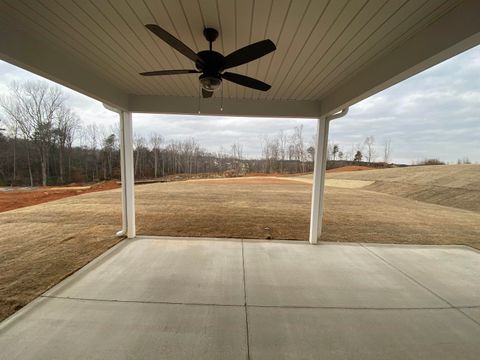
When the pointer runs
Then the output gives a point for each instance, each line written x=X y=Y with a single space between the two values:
x=40 y=245
x=15 y=199
x=349 y=168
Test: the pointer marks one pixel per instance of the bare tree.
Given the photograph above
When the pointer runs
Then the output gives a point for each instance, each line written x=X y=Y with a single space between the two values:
x=140 y=145
x=110 y=146
x=12 y=127
x=283 y=144
x=66 y=123
x=298 y=145
x=237 y=156
x=387 y=151
x=155 y=141
x=34 y=106
x=311 y=153
x=92 y=136
x=371 y=153
x=335 y=151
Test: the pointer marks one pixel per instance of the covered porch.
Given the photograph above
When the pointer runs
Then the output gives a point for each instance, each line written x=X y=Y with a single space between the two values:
x=183 y=298
x=329 y=56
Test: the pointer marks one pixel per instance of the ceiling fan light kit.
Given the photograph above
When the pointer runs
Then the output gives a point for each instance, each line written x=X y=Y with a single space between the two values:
x=211 y=64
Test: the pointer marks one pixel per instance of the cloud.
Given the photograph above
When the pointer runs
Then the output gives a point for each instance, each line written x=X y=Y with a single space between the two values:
x=433 y=114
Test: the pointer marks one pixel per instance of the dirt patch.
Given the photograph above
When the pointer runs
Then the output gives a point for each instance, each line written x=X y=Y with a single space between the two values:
x=256 y=180
x=349 y=168
x=348 y=184
x=15 y=199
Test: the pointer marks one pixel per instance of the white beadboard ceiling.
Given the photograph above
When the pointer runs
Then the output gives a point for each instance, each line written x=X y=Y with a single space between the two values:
x=320 y=43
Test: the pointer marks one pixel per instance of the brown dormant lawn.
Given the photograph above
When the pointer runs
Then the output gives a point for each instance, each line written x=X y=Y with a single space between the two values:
x=42 y=244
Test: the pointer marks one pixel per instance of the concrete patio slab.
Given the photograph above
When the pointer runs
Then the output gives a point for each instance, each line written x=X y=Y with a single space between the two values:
x=472 y=313
x=357 y=334
x=328 y=275
x=172 y=298
x=176 y=270
x=452 y=272
x=85 y=329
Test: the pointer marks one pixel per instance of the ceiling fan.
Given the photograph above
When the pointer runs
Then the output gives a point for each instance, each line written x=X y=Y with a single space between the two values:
x=211 y=64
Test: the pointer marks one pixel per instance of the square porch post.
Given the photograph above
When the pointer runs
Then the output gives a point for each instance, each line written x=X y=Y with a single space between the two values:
x=127 y=173
x=318 y=185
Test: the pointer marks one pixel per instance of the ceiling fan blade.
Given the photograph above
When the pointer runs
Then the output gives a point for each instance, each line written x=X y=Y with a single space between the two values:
x=246 y=81
x=206 y=93
x=249 y=53
x=169 y=72
x=174 y=42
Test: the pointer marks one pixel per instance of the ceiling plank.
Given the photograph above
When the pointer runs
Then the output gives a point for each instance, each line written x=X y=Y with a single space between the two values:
x=20 y=49
x=341 y=23
x=304 y=31
x=135 y=17
x=226 y=18
x=313 y=45
x=451 y=34
x=51 y=27
x=260 y=15
x=397 y=30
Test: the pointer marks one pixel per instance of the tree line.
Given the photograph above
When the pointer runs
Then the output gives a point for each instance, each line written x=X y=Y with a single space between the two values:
x=45 y=143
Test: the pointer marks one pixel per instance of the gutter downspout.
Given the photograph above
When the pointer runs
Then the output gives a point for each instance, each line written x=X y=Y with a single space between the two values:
x=123 y=231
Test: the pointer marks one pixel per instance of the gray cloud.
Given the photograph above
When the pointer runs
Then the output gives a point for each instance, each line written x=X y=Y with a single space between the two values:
x=433 y=114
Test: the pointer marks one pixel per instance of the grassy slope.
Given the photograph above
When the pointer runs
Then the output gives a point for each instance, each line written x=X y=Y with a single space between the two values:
x=41 y=244
x=449 y=185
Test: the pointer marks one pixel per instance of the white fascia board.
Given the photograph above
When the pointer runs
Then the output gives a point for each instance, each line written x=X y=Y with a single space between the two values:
x=456 y=31
x=22 y=50
x=231 y=107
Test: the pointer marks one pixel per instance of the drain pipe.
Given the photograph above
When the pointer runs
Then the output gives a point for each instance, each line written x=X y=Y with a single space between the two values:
x=123 y=231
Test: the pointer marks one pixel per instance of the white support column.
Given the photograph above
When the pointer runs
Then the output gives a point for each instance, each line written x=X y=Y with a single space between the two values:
x=127 y=173
x=122 y=177
x=319 y=180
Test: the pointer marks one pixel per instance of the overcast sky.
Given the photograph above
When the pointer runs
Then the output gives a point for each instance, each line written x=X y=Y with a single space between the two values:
x=435 y=114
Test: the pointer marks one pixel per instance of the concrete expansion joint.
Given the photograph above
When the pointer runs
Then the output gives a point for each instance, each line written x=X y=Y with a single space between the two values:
x=139 y=301
x=459 y=309
x=362 y=308
x=468 y=316
x=406 y=275
x=245 y=302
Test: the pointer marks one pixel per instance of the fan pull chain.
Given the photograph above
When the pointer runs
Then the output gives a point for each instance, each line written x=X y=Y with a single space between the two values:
x=221 y=101
x=199 y=95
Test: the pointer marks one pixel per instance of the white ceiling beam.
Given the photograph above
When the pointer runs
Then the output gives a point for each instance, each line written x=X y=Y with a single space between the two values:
x=39 y=57
x=451 y=34
x=231 y=107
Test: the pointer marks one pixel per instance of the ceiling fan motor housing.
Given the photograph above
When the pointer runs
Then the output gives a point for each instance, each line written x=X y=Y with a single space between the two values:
x=213 y=64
